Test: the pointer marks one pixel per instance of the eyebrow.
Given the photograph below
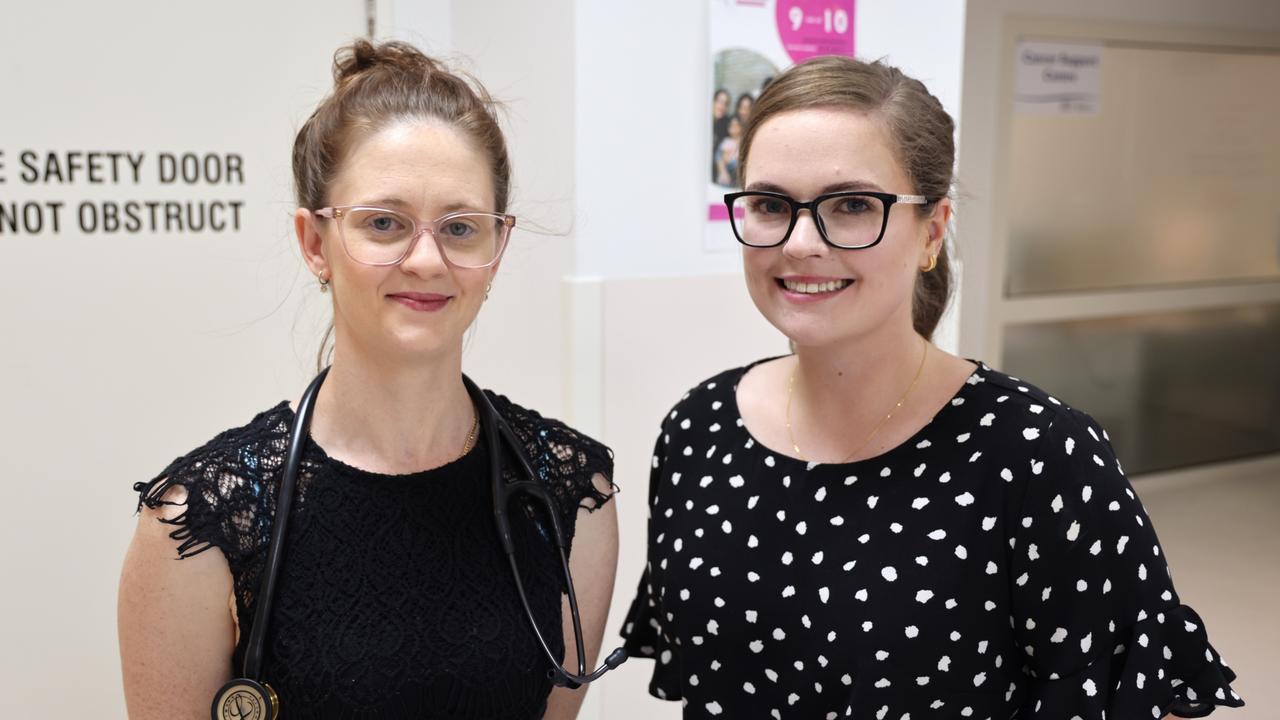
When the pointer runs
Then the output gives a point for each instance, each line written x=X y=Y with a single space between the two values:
x=850 y=186
x=396 y=203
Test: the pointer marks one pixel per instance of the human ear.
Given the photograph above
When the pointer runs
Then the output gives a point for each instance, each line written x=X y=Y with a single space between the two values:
x=936 y=226
x=310 y=243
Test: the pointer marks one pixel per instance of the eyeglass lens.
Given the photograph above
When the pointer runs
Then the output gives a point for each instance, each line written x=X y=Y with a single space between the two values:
x=378 y=236
x=850 y=221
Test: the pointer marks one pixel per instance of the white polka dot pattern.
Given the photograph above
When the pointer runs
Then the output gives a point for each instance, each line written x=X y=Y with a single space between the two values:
x=998 y=562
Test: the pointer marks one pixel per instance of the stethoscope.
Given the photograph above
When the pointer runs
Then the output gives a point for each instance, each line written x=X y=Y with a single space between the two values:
x=250 y=698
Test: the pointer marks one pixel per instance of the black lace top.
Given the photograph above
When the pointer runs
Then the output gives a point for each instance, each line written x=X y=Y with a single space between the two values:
x=394 y=598
x=995 y=565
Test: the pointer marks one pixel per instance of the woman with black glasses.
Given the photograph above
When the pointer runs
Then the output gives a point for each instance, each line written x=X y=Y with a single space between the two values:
x=395 y=598
x=871 y=527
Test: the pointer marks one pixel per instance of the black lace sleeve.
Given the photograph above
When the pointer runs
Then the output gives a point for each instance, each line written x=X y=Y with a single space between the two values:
x=565 y=460
x=230 y=489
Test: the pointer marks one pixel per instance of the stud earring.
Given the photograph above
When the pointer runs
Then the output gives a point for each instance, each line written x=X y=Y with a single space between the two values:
x=487 y=288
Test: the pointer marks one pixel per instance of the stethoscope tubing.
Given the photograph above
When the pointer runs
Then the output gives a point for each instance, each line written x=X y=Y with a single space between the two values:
x=496 y=430
x=284 y=505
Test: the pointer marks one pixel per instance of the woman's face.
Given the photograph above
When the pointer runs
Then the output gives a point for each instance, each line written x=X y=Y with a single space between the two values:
x=422 y=306
x=720 y=105
x=861 y=293
x=743 y=110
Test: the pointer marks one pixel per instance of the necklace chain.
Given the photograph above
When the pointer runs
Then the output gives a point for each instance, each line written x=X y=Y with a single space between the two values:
x=471 y=436
x=791 y=385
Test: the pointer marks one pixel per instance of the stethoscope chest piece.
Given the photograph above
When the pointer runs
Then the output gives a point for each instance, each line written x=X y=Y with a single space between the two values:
x=245 y=699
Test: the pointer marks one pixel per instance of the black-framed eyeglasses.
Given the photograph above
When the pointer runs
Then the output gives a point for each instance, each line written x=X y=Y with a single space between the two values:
x=845 y=220
x=380 y=236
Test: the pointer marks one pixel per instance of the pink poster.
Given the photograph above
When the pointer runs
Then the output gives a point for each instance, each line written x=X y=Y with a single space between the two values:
x=751 y=42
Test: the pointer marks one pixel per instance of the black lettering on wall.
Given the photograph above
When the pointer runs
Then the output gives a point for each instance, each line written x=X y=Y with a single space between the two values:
x=93 y=216
x=29 y=218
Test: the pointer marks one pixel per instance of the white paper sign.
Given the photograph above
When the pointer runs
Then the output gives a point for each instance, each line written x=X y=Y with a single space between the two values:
x=1056 y=78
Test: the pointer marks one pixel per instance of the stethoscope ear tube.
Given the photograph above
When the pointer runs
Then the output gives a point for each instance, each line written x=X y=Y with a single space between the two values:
x=284 y=504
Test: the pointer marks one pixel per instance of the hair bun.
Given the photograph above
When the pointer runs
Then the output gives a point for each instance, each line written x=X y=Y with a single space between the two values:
x=362 y=56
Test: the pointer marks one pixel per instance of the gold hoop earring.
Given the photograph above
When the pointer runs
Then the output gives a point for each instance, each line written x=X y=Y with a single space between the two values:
x=933 y=263
x=324 y=283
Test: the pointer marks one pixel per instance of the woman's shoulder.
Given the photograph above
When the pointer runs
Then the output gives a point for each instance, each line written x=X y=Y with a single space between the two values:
x=566 y=458
x=1048 y=444
x=232 y=472
x=1037 y=412
x=534 y=428
x=249 y=446
x=709 y=395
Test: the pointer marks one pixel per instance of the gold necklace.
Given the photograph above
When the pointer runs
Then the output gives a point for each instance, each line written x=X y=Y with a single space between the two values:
x=791 y=385
x=471 y=436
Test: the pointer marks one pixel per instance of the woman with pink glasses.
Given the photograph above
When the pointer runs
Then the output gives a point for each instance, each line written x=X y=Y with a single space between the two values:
x=394 y=596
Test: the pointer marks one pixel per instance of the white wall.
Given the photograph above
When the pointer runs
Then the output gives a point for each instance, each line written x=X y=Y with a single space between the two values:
x=641 y=96
x=119 y=352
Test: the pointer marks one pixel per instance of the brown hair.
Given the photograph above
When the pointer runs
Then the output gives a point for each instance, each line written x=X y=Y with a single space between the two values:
x=923 y=135
x=377 y=85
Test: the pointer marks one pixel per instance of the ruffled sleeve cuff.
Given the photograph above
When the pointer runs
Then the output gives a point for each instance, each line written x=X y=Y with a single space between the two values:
x=1166 y=666
x=197 y=527
x=644 y=638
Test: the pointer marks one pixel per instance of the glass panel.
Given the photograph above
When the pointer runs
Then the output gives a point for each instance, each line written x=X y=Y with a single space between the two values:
x=1172 y=181
x=1172 y=389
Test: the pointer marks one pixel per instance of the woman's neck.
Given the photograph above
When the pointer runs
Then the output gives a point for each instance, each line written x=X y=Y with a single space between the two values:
x=840 y=395
x=855 y=373
x=389 y=415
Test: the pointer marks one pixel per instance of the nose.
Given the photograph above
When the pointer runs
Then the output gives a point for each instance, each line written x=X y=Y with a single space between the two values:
x=805 y=240
x=425 y=256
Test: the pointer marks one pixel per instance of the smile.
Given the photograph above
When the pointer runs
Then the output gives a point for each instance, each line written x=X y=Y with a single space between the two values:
x=813 y=288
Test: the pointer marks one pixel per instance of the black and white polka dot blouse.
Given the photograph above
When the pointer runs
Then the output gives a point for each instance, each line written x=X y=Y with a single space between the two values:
x=995 y=565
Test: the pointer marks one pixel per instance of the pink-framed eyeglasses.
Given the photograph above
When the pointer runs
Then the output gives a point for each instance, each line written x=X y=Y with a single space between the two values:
x=380 y=236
